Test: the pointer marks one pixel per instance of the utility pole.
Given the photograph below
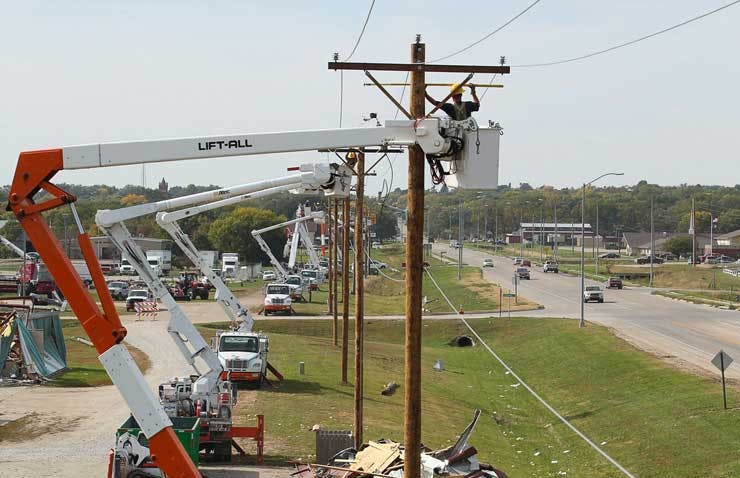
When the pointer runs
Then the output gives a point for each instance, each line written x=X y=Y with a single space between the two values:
x=652 y=240
x=333 y=236
x=692 y=231
x=328 y=227
x=495 y=233
x=415 y=231
x=582 y=321
x=345 y=287
x=555 y=240
x=359 y=295
x=542 y=228
x=460 y=224
x=521 y=231
x=597 y=238
x=414 y=275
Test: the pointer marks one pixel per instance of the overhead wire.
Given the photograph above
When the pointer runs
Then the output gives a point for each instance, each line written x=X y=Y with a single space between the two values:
x=631 y=42
x=525 y=385
x=489 y=35
x=354 y=49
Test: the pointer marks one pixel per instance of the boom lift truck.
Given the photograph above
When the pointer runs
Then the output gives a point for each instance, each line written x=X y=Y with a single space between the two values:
x=439 y=138
x=238 y=362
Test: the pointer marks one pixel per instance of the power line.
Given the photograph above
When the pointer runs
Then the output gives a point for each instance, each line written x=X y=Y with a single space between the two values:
x=631 y=42
x=489 y=35
x=524 y=384
x=354 y=49
x=364 y=25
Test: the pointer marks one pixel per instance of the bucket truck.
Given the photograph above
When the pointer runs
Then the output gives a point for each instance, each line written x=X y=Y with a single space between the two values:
x=242 y=353
x=467 y=149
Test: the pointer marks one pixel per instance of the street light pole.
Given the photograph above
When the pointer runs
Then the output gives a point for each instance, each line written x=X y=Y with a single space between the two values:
x=582 y=321
x=652 y=240
x=542 y=227
x=598 y=239
x=521 y=231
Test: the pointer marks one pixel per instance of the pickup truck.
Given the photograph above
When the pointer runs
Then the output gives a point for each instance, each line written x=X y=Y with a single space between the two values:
x=550 y=266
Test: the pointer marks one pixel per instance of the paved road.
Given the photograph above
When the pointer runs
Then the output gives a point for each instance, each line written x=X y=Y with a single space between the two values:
x=673 y=329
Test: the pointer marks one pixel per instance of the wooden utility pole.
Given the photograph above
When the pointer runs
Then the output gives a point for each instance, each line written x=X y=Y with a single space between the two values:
x=414 y=237
x=414 y=277
x=334 y=233
x=345 y=288
x=332 y=292
x=359 y=295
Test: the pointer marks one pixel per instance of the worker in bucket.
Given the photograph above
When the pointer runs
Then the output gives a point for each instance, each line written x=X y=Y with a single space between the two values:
x=458 y=110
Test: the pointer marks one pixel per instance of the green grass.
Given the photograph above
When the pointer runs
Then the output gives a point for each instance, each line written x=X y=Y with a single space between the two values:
x=83 y=367
x=716 y=299
x=386 y=296
x=655 y=420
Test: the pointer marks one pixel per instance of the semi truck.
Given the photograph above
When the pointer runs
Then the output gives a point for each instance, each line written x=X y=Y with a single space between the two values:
x=160 y=261
x=209 y=257
x=229 y=264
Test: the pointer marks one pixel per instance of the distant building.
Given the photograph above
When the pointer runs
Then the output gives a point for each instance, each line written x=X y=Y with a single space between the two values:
x=638 y=243
x=549 y=233
x=727 y=244
x=164 y=189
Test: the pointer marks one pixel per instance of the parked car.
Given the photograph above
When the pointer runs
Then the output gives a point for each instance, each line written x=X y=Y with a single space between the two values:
x=118 y=290
x=454 y=244
x=667 y=256
x=517 y=261
x=135 y=296
x=380 y=265
x=646 y=260
x=269 y=275
x=375 y=245
x=525 y=263
x=550 y=266
x=523 y=273
x=614 y=283
x=593 y=292
x=487 y=262
x=609 y=255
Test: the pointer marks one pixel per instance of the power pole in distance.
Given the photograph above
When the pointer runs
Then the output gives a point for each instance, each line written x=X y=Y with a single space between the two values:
x=359 y=277
x=334 y=235
x=345 y=287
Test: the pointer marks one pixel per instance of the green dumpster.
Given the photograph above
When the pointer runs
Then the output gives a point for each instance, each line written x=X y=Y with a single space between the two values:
x=187 y=430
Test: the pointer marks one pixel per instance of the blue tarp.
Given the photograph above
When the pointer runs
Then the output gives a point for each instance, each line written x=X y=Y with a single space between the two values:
x=46 y=354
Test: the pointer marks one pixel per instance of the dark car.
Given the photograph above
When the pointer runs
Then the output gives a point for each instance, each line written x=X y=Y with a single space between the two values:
x=614 y=283
x=523 y=273
x=609 y=255
x=646 y=260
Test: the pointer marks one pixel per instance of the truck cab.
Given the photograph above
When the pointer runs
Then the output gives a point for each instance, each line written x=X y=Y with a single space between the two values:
x=277 y=299
x=243 y=355
x=230 y=264
x=296 y=283
x=126 y=268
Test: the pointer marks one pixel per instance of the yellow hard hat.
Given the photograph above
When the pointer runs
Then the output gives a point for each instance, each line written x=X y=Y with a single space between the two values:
x=456 y=89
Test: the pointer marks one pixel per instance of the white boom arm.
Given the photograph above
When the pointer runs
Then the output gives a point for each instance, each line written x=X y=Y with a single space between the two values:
x=313 y=257
x=293 y=250
x=426 y=132
x=12 y=247
x=224 y=296
x=181 y=330
x=257 y=234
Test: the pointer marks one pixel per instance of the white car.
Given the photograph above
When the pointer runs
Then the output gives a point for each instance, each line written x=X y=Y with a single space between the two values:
x=269 y=275
x=593 y=292
x=487 y=262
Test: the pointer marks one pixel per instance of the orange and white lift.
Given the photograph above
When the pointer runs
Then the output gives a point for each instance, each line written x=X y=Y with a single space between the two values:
x=439 y=138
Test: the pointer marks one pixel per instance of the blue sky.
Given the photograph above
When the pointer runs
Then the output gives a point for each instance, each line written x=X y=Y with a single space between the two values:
x=665 y=110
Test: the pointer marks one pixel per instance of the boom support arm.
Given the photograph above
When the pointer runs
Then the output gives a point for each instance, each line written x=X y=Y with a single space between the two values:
x=257 y=234
x=12 y=247
x=226 y=299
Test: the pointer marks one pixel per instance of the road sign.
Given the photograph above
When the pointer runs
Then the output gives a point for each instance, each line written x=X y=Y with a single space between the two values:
x=508 y=294
x=722 y=360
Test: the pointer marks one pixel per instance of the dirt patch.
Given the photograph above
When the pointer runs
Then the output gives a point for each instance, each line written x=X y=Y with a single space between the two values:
x=35 y=425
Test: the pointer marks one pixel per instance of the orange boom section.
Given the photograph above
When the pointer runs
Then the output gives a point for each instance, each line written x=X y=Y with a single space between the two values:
x=33 y=173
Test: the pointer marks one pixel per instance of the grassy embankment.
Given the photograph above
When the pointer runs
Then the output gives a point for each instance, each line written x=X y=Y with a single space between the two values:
x=386 y=296
x=655 y=420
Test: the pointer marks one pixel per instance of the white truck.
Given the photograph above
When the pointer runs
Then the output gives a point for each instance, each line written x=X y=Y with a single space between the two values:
x=126 y=269
x=229 y=264
x=243 y=355
x=277 y=299
x=160 y=261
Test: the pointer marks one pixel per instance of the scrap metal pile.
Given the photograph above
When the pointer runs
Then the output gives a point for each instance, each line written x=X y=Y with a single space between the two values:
x=385 y=458
x=31 y=344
